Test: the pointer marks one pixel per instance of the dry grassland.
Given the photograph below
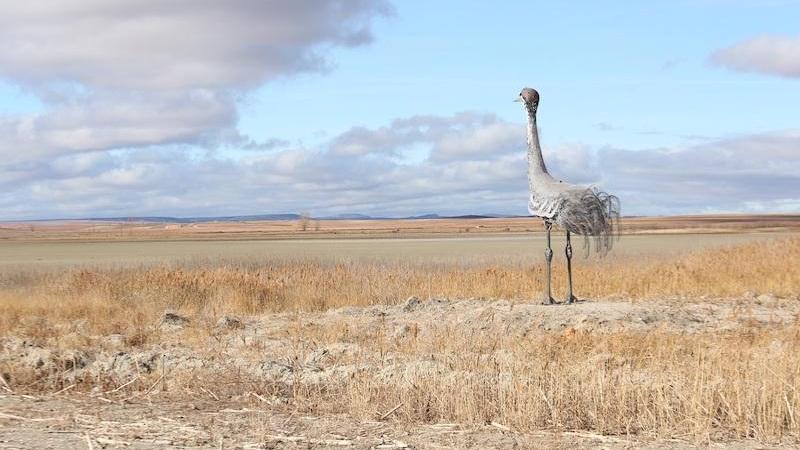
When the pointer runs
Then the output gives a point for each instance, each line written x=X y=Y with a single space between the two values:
x=701 y=346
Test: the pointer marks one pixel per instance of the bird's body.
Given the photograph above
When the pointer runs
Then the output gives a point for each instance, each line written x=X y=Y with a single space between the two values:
x=578 y=209
x=581 y=210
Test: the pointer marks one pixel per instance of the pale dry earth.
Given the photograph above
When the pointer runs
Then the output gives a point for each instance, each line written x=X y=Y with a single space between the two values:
x=132 y=229
x=312 y=348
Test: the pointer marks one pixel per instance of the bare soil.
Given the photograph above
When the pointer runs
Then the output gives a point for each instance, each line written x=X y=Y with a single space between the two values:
x=79 y=422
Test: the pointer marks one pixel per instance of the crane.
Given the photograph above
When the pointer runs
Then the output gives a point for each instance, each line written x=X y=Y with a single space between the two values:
x=582 y=210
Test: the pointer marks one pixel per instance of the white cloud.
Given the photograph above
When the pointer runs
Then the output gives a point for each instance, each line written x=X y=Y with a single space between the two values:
x=183 y=44
x=113 y=121
x=731 y=174
x=484 y=142
x=773 y=55
x=117 y=74
x=464 y=134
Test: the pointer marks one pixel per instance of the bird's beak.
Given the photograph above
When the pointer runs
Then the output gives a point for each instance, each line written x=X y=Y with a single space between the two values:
x=517 y=100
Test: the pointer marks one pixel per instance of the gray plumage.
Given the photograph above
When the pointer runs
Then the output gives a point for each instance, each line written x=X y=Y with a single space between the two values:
x=582 y=210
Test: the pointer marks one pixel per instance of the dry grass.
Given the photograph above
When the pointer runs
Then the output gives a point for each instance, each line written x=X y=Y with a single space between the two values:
x=118 y=299
x=742 y=383
x=707 y=386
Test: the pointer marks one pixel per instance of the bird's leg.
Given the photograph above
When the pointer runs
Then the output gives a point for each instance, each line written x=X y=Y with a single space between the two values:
x=548 y=255
x=570 y=298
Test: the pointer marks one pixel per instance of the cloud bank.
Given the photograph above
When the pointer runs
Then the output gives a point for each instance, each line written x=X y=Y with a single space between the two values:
x=463 y=163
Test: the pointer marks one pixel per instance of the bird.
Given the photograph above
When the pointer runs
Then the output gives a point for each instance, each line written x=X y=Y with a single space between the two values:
x=582 y=210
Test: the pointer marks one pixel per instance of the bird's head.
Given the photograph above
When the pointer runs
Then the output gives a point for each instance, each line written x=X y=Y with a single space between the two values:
x=530 y=98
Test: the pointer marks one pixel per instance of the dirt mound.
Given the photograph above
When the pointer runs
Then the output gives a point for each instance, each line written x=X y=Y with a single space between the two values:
x=522 y=319
x=262 y=348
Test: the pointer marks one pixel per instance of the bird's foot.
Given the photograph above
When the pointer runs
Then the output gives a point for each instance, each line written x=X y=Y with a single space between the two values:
x=571 y=299
x=548 y=301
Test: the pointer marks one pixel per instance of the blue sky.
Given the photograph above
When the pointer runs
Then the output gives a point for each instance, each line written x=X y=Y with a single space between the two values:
x=630 y=65
x=395 y=108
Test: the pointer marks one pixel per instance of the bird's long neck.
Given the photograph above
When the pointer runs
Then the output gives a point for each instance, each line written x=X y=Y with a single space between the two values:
x=536 y=165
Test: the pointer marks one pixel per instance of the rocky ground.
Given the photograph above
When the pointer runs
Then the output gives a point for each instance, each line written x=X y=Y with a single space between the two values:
x=109 y=392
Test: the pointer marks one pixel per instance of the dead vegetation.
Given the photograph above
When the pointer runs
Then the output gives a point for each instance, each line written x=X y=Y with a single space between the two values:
x=697 y=346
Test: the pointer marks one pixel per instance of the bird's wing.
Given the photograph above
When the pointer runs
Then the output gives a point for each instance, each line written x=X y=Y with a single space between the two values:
x=548 y=196
x=544 y=207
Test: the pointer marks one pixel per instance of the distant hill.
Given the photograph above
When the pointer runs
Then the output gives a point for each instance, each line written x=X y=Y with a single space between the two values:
x=474 y=216
x=423 y=216
x=255 y=217
x=159 y=219
x=348 y=217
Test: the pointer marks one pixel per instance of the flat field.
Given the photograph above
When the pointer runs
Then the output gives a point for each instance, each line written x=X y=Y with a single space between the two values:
x=522 y=248
x=398 y=334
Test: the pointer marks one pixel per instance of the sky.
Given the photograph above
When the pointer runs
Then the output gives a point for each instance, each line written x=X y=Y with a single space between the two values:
x=112 y=108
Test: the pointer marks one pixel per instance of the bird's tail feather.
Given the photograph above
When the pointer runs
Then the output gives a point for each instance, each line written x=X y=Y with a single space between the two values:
x=594 y=214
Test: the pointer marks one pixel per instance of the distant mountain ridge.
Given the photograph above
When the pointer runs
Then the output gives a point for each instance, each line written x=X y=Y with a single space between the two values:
x=285 y=216
x=166 y=219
